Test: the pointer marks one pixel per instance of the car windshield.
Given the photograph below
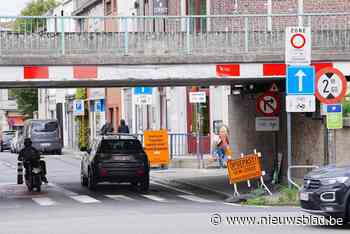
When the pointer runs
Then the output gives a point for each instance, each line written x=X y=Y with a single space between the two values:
x=44 y=127
x=119 y=146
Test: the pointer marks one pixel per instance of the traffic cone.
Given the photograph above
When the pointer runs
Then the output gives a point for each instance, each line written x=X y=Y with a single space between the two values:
x=19 y=172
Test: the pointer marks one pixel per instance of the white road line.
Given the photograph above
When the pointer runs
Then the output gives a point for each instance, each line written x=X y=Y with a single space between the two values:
x=120 y=197
x=44 y=201
x=172 y=188
x=195 y=198
x=154 y=198
x=85 y=199
x=62 y=190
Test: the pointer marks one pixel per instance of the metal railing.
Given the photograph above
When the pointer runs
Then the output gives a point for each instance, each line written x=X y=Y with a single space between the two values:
x=178 y=143
x=167 y=35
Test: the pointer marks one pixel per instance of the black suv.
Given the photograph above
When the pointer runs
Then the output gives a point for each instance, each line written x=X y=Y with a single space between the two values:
x=326 y=191
x=115 y=158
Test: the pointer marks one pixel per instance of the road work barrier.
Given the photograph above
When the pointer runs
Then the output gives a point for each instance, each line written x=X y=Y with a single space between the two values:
x=246 y=168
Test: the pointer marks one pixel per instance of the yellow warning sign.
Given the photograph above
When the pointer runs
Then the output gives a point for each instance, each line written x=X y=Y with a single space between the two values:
x=156 y=146
x=245 y=168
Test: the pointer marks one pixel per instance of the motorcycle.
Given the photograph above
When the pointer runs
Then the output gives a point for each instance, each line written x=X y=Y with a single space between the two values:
x=33 y=178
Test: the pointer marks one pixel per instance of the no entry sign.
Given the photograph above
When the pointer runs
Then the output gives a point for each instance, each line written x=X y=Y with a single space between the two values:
x=331 y=85
x=268 y=104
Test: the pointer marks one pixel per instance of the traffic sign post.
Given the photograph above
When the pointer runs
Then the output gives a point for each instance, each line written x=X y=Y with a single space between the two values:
x=331 y=85
x=298 y=45
x=143 y=95
x=268 y=104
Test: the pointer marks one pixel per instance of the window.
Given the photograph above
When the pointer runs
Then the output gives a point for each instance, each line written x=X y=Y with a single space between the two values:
x=44 y=127
x=108 y=7
x=119 y=146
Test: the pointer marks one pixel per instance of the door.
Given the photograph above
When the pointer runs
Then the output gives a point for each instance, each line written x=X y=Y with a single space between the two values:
x=198 y=115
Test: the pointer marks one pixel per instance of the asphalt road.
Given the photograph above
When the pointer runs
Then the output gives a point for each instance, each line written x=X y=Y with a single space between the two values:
x=64 y=206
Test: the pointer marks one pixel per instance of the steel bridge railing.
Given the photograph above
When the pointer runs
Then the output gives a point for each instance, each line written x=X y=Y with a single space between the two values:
x=167 y=35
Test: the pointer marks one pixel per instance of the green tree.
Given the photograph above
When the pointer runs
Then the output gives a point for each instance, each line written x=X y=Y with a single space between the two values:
x=27 y=99
x=34 y=8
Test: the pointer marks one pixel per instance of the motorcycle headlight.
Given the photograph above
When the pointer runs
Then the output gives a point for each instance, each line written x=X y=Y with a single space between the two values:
x=330 y=181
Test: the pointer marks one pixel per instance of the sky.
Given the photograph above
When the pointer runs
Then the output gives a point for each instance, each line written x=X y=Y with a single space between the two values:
x=12 y=7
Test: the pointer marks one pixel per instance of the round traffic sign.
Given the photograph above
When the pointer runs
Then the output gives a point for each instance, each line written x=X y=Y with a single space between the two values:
x=298 y=40
x=331 y=85
x=268 y=104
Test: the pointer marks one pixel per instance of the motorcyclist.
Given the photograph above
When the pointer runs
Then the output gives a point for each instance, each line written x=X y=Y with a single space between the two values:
x=31 y=156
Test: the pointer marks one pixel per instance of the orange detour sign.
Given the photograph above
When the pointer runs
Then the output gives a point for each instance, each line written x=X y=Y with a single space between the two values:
x=156 y=146
x=245 y=168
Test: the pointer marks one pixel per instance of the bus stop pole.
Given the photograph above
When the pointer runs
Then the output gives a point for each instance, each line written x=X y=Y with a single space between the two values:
x=289 y=143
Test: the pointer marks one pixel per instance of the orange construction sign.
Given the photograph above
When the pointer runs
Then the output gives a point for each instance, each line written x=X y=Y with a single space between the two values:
x=245 y=168
x=156 y=146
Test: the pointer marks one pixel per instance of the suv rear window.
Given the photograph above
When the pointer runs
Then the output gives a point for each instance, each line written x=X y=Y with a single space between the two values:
x=119 y=146
x=44 y=127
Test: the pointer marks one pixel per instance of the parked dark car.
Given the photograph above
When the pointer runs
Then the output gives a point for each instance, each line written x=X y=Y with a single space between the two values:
x=115 y=158
x=6 y=139
x=326 y=191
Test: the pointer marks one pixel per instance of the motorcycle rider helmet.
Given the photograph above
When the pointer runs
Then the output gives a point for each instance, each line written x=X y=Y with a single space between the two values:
x=27 y=142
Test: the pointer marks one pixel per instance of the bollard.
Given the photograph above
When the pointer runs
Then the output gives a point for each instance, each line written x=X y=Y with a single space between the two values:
x=19 y=172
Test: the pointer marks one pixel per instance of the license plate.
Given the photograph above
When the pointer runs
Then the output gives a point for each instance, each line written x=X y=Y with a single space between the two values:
x=304 y=196
x=45 y=144
x=122 y=158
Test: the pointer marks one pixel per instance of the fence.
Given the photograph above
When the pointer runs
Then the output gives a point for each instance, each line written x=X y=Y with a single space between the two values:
x=178 y=143
x=167 y=35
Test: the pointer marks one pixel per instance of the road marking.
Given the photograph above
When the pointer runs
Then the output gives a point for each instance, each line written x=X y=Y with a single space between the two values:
x=85 y=199
x=154 y=198
x=44 y=201
x=172 y=188
x=195 y=198
x=62 y=190
x=120 y=197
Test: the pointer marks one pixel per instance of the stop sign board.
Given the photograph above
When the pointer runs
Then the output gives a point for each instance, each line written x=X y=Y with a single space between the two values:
x=268 y=104
x=331 y=85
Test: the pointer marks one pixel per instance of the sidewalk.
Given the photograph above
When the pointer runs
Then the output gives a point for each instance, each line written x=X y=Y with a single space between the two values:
x=211 y=180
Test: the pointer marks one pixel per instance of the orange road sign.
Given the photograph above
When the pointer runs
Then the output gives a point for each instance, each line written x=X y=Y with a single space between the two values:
x=156 y=146
x=245 y=168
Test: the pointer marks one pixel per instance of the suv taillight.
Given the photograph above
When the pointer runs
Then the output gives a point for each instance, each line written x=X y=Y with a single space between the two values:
x=103 y=172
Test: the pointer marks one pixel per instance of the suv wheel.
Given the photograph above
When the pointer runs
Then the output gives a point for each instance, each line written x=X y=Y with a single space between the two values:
x=83 y=180
x=144 y=184
x=91 y=181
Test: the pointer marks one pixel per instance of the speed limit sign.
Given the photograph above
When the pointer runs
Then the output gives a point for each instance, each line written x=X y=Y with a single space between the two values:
x=331 y=85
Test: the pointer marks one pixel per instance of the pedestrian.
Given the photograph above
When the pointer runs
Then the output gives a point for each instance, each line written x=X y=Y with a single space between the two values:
x=222 y=149
x=123 y=128
x=106 y=128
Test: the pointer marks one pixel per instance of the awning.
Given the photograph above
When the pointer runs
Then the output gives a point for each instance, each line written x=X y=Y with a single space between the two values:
x=15 y=121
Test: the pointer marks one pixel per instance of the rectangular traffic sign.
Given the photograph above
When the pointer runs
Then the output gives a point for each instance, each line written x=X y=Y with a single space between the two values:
x=334 y=108
x=267 y=124
x=78 y=108
x=300 y=103
x=198 y=97
x=298 y=45
x=143 y=90
x=143 y=99
x=300 y=80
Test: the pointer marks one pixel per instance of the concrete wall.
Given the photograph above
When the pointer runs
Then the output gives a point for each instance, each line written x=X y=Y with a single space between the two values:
x=343 y=146
x=243 y=137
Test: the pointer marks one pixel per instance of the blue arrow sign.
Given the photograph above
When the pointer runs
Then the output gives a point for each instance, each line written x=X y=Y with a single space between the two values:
x=142 y=90
x=334 y=108
x=300 y=80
